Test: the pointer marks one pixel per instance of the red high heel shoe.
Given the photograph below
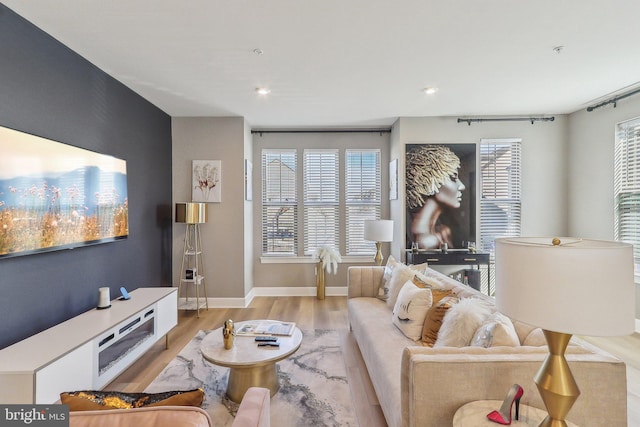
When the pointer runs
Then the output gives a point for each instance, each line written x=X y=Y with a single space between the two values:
x=503 y=415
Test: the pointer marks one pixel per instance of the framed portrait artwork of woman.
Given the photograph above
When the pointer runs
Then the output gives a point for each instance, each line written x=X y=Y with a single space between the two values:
x=440 y=195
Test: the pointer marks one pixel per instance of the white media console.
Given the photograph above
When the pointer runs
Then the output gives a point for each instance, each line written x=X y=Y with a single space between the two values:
x=88 y=351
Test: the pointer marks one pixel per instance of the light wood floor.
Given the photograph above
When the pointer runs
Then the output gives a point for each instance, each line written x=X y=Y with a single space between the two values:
x=331 y=313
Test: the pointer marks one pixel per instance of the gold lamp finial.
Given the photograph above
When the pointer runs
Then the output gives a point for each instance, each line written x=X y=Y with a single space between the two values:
x=555 y=241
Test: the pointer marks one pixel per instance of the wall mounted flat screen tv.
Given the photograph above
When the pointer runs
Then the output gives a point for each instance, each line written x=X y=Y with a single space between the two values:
x=55 y=196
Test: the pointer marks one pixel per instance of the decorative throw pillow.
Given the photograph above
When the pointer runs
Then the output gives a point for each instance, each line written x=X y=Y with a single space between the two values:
x=424 y=280
x=461 y=322
x=497 y=330
x=484 y=335
x=410 y=310
x=522 y=329
x=90 y=400
x=436 y=293
x=399 y=276
x=419 y=282
x=383 y=290
x=433 y=320
x=535 y=338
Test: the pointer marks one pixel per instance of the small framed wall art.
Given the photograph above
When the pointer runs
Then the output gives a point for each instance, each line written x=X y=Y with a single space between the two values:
x=206 y=181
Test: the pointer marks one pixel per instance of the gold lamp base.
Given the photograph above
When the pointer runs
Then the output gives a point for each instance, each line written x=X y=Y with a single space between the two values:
x=378 y=259
x=555 y=381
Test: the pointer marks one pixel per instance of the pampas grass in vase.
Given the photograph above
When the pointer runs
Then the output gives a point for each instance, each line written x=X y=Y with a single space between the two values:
x=328 y=258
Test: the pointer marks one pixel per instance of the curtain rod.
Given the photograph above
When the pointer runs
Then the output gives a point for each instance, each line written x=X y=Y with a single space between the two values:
x=508 y=119
x=381 y=131
x=613 y=100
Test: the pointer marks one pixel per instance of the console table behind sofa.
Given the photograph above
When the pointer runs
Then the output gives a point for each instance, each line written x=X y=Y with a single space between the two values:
x=452 y=257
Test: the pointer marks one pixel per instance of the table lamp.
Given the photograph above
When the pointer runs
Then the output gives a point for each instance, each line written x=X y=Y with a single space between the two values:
x=378 y=230
x=191 y=213
x=560 y=285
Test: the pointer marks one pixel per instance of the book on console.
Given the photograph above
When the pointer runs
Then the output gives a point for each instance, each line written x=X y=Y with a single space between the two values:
x=266 y=327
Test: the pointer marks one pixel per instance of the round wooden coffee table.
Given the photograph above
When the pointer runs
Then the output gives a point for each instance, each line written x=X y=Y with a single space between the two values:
x=250 y=365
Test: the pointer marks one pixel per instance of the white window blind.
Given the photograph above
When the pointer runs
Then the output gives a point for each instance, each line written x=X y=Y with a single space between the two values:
x=279 y=202
x=627 y=186
x=321 y=199
x=500 y=203
x=363 y=197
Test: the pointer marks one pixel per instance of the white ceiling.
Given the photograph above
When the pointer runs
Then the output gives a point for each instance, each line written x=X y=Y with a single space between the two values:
x=353 y=63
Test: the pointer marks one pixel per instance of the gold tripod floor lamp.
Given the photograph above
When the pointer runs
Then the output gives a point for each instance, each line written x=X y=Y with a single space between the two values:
x=192 y=269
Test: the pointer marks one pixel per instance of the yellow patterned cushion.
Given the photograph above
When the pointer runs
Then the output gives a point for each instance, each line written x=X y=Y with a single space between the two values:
x=90 y=400
x=433 y=320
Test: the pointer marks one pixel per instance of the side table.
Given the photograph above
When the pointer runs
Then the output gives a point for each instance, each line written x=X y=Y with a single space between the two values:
x=474 y=414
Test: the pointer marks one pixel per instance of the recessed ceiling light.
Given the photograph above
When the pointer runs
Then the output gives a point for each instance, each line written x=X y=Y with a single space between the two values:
x=263 y=91
x=258 y=51
x=430 y=90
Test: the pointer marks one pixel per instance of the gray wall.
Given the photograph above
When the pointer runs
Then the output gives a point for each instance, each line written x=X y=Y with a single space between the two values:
x=48 y=90
x=590 y=178
x=225 y=233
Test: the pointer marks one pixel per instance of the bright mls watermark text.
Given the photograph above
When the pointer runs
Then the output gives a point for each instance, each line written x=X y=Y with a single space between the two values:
x=34 y=415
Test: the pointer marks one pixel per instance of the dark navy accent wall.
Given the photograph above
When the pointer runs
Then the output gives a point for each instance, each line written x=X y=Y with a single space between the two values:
x=50 y=91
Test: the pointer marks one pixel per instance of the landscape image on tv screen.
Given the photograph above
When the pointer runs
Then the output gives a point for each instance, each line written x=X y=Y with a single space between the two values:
x=57 y=196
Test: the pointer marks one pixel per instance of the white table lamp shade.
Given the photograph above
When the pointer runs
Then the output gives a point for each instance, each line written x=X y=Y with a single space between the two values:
x=380 y=230
x=583 y=287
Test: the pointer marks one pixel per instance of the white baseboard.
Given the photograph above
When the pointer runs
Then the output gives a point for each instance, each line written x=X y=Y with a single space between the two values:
x=302 y=291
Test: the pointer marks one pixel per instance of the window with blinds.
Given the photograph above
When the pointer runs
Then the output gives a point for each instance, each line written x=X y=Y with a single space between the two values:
x=279 y=202
x=627 y=186
x=500 y=203
x=363 y=197
x=321 y=199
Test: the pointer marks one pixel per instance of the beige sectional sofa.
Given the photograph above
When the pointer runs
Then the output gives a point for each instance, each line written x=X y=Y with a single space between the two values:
x=424 y=386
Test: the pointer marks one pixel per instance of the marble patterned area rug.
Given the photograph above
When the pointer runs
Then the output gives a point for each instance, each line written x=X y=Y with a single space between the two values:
x=313 y=383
